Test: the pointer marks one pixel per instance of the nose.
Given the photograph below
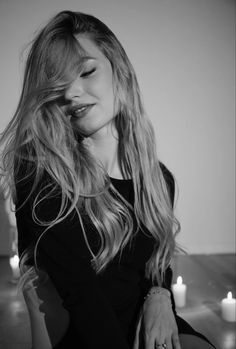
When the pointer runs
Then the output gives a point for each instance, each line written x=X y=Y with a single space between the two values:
x=75 y=90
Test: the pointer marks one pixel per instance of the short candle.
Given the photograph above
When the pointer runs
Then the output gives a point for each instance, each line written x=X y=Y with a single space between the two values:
x=228 y=308
x=179 y=291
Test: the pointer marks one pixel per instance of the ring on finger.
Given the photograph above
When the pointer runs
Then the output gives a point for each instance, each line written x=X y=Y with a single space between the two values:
x=163 y=345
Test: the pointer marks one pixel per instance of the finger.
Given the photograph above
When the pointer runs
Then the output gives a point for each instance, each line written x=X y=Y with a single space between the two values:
x=161 y=339
x=168 y=343
x=149 y=342
x=164 y=343
x=136 y=340
x=175 y=341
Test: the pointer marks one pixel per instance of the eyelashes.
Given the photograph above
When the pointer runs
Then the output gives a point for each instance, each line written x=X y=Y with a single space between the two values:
x=88 y=73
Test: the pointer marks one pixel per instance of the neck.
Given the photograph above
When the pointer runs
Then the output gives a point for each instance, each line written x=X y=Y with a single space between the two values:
x=104 y=147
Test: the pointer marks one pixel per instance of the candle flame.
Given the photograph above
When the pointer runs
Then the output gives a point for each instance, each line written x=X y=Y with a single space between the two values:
x=229 y=295
x=14 y=261
x=179 y=280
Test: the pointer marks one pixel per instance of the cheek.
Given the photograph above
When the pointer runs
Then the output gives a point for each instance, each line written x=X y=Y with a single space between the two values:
x=109 y=93
x=105 y=95
x=110 y=99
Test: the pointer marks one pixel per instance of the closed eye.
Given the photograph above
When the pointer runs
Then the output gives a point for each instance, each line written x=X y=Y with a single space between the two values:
x=87 y=73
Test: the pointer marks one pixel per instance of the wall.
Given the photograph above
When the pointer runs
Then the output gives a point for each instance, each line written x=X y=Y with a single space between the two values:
x=183 y=52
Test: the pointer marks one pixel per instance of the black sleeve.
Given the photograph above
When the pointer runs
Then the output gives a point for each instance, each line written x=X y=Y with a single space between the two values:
x=170 y=182
x=66 y=258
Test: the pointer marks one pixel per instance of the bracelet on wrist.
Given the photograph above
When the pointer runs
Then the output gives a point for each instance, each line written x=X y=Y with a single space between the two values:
x=158 y=290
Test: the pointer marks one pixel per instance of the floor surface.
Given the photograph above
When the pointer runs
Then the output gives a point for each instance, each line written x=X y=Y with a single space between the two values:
x=208 y=279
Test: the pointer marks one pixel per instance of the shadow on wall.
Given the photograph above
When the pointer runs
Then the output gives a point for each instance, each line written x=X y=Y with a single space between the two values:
x=6 y=228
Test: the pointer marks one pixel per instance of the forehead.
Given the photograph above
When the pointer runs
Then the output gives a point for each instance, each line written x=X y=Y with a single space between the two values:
x=67 y=55
x=91 y=50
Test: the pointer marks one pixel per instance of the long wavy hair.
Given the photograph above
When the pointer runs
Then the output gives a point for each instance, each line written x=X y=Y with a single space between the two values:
x=41 y=134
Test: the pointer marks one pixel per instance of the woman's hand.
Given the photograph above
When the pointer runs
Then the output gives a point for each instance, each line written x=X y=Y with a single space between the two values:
x=157 y=323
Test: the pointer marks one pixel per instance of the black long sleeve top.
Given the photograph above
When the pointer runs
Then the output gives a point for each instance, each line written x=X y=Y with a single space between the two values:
x=103 y=308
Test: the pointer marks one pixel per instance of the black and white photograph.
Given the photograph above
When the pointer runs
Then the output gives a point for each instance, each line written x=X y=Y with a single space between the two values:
x=117 y=174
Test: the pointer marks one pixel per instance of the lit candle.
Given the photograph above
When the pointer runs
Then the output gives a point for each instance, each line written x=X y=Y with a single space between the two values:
x=228 y=308
x=179 y=291
x=14 y=262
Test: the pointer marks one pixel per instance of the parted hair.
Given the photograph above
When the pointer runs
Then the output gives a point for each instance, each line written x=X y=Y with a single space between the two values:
x=41 y=135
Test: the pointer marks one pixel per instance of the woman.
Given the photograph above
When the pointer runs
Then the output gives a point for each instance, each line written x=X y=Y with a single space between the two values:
x=94 y=206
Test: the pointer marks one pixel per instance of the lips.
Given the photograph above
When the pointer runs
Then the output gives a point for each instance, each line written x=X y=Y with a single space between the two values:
x=81 y=110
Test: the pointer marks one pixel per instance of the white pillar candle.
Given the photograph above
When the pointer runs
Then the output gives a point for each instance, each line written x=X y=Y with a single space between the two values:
x=14 y=263
x=179 y=291
x=228 y=308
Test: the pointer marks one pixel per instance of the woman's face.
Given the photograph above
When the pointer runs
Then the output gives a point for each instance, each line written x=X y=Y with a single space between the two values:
x=90 y=97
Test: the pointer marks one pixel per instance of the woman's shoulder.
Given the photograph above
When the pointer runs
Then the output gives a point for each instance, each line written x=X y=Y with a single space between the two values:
x=169 y=179
x=166 y=172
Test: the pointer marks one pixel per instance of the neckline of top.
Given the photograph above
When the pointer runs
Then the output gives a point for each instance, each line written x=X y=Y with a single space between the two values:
x=121 y=179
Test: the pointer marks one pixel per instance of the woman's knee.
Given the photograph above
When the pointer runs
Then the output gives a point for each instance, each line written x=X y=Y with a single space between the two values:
x=189 y=341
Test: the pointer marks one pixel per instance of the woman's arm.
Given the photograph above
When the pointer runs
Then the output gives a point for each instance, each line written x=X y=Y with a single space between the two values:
x=157 y=324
